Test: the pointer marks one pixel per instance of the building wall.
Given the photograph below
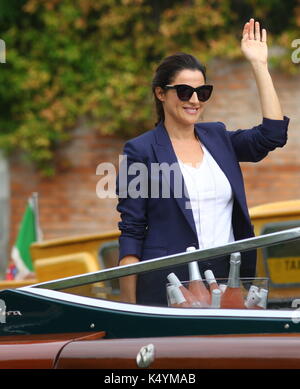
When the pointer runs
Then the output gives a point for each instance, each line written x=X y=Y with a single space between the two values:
x=69 y=204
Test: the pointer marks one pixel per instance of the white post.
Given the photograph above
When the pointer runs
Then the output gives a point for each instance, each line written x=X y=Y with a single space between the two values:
x=35 y=200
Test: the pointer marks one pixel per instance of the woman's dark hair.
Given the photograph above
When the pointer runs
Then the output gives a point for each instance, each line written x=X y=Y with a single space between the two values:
x=167 y=71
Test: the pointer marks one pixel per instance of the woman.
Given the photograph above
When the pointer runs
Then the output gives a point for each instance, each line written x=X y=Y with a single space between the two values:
x=212 y=209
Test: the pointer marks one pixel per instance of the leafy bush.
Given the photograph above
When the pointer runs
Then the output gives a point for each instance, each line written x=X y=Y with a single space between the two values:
x=95 y=59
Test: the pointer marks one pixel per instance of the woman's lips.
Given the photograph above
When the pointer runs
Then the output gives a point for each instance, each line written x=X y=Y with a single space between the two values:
x=191 y=111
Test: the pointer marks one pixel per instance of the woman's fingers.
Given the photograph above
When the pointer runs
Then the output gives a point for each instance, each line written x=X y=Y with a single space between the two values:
x=246 y=31
x=257 y=31
x=251 y=28
x=252 y=31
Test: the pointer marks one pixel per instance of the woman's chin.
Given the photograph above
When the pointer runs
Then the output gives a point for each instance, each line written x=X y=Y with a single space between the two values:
x=192 y=119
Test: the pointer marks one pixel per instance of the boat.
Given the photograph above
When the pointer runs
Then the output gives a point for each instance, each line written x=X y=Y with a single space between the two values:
x=46 y=326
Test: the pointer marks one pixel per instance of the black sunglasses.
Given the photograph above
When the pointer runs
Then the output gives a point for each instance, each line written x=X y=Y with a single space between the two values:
x=185 y=92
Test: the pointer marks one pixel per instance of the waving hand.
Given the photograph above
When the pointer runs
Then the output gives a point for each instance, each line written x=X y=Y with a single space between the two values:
x=254 y=42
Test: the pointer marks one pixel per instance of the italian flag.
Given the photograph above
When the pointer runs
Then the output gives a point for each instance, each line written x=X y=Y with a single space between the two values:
x=28 y=233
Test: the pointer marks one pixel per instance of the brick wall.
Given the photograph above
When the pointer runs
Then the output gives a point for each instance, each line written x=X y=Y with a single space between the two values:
x=68 y=201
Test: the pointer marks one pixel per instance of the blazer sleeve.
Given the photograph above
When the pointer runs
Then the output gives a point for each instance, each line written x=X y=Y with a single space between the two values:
x=132 y=208
x=254 y=144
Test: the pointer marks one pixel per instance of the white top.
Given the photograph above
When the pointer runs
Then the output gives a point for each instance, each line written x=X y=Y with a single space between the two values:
x=211 y=201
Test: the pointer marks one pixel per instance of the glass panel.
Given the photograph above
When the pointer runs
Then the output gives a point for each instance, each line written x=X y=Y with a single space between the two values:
x=282 y=261
x=108 y=258
x=260 y=286
x=98 y=290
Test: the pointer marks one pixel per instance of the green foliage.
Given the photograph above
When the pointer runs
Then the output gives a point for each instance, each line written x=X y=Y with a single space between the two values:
x=96 y=59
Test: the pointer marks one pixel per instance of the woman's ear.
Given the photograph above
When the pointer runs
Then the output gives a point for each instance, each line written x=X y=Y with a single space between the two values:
x=160 y=93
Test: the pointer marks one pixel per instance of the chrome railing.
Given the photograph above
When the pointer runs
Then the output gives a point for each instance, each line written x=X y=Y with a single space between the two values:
x=173 y=260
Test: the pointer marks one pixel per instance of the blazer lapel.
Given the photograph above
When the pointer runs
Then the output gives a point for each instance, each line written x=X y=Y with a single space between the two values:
x=165 y=154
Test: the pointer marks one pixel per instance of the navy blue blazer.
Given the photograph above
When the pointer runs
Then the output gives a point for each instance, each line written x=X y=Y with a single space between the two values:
x=153 y=227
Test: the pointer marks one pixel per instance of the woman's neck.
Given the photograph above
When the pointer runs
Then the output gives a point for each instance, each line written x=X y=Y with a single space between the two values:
x=180 y=132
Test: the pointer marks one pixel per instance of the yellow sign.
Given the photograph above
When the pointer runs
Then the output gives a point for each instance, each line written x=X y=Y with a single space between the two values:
x=284 y=270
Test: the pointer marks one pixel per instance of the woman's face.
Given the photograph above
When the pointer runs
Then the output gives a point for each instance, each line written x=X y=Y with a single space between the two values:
x=182 y=112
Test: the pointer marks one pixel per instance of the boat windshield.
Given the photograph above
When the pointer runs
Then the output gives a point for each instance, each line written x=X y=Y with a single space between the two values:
x=278 y=253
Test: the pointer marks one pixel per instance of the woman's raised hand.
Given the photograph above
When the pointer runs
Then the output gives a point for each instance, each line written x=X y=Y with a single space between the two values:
x=254 y=42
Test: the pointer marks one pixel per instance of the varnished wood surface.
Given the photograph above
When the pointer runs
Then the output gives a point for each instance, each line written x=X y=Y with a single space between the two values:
x=37 y=351
x=271 y=351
